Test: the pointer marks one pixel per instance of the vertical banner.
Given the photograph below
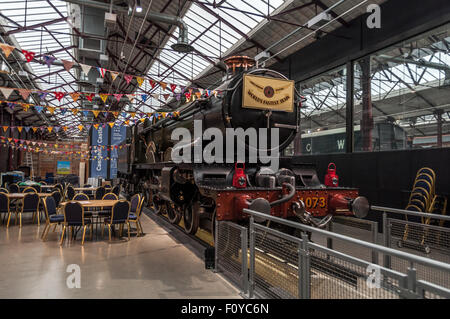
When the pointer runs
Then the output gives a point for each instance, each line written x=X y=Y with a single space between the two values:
x=118 y=135
x=99 y=164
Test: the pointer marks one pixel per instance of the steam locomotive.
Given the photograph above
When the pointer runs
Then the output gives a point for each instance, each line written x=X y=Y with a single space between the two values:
x=201 y=192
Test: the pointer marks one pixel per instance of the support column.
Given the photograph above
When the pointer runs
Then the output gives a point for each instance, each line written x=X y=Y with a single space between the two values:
x=439 y=128
x=367 y=116
x=349 y=107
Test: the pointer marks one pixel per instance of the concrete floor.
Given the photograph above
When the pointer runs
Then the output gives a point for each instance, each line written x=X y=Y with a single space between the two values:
x=156 y=265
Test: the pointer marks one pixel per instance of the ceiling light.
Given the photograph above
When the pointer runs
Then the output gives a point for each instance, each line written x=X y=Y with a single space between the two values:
x=138 y=6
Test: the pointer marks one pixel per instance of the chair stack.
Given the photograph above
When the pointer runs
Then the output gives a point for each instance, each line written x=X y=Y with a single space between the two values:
x=423 y=191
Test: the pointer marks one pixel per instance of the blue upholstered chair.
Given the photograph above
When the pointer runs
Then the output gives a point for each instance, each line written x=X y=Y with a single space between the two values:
x=116 y=190
x=29 y=190
x=30 y=204
x=51 y=216
x=14 y=188
x=99 y=192
x=74 y=217
x=70 y=192
x=57 y=197
x=135 y=217
x=4 y=205
x=119 y=216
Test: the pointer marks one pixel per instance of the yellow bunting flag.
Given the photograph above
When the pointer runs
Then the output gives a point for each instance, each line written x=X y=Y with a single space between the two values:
x=111 y=124
x=50 y=128
x=19 y=128
x=96 y=113
x=34 y=129
x=127 y=122
x=75 y=111
x=116 y=114
x=104 y=97
x=74 y=96
x=25 y=107
x=5 y=128
x=7 y=49
x=139 y=80
x=133 y=114
x=51 y=109
x=80 y=127
x=142 y=120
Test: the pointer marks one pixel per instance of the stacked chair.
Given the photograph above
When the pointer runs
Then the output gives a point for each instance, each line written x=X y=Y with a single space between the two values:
x=423 y=199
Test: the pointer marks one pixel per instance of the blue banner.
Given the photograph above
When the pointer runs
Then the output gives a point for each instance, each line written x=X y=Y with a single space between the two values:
x=118 y=135
x=99 y=165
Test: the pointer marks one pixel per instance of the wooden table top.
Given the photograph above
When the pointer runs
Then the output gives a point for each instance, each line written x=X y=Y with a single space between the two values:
x=96 y=203
x=21 y=195
x=85 y=188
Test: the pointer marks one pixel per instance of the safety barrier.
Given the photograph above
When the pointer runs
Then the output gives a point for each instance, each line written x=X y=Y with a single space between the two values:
x=284 y=266
x=418 y=238
x=231 y=253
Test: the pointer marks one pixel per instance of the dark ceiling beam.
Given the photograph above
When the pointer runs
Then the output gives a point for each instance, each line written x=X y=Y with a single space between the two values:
x=38 y=25
x=324 y=7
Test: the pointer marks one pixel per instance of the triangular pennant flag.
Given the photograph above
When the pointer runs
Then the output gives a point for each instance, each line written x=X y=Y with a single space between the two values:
x=6 y=92
x=166 y=96
x=86 y=113
x=86 y=68
x=102 y=71
x=7 y=49
x=115 y=113
x=51 y=109
x=96 y=112
x=50 y=129
x=163 y=85
x=11 y=105
x=27 y=129
x=19 y=128
x=111 y=124
x=42 y=95
x=67 y=64
x=139 y=80
x=57 y=129
x=75 y=111
x=173 y=87
x=144 y=97
x=198 y=94
x=59 y=95
x=113 y=75
x=24 y=92
x=130 y=97
x=104 y=97
x=118 y=97
x=128 y=78
x=63 y=110
x=74 y=96
x=48 y=59
x=153 y=84
x=38 y=108
x=29 y=56
x=178 y=96
x=90 y=96
x=80 y=127
x=156 y=96
x=34 y=130
x=25 y=107
x=133 y=114
x=96 y=126
x=64 y=128
x=5 y=128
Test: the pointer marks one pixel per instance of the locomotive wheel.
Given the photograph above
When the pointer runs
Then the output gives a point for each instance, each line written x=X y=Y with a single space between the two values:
x=173 y=214
x=191 y=219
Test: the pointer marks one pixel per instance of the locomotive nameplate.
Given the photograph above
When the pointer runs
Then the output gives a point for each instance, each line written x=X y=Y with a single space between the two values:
x=266 y=93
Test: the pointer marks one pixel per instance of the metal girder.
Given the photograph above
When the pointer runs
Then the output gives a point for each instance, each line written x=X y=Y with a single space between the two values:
x=38 y=25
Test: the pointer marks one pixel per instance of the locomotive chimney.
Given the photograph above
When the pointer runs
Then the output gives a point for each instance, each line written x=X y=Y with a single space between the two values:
x=238 y=64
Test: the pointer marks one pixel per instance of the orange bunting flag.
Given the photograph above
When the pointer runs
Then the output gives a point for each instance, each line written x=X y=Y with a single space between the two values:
x=113 y=75
x=133 y=114
x=139 y=80
x=5 y=128
x=130 y=97
x=116 y=114
x=64 y=128
x=80 y=127
x=74 y=111
x=19 y=128
x=96 y=126
x=7 y=49
x=74 y=96
x=104 y=97
x=111 y=124
x=50 y=128
x=34 y=129
x=163 y=85
x=96 y=113
x=51 y=109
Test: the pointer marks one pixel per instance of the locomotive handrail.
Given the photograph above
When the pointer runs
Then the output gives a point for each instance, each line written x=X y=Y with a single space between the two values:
x=407 y=212
x=385 y=250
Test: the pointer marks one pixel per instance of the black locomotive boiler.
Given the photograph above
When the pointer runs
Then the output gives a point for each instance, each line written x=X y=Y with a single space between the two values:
x=199 y=192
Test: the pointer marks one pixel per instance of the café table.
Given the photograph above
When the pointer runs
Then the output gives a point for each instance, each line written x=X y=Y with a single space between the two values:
x=19 y=196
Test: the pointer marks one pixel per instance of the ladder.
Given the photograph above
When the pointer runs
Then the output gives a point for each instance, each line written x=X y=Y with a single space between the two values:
x=29 y=163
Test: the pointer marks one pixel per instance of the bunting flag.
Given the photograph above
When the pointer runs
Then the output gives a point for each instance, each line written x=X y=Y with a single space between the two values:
x=115 y=113
x=104 y=97
x=111 y=124
x=64 y=128
x=67 y=64
x=144 y=97
x=96 y=126
x=38 y=108
x=128 y=78
x=95 y=112
x=48 y=59
x=140 y=80
x=74 y=96
x=63 y=110
x=118 y=97
x=133 y=114
x=51 y=109
x=166 y=96
x=29 y=56
x=153 y=84
x=173 y=87
x=6 y=92
x=86 y=68
x=102 y=71
x=155 y=96
x=7 y=49
x=25 y=93
x=5 y=128
x=59 y=95
x=50 y=129
x=25 y=107
x=19 y=128
x=90 y=96
x=80 y=127
x=113 y=75
x=34 y=130
x=131 y=97
x=42 y=95
x=163 y=85
x=75 y=111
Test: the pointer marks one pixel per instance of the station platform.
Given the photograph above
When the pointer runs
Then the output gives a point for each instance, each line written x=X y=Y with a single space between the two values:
x=157 y=265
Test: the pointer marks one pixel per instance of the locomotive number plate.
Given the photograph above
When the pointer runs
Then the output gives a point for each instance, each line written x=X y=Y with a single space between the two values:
x=266 y=93
x=314 y=202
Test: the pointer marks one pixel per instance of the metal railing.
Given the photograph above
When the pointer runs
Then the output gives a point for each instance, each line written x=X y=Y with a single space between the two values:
x=416 y=237
x=231 y=253
x=284 y=266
